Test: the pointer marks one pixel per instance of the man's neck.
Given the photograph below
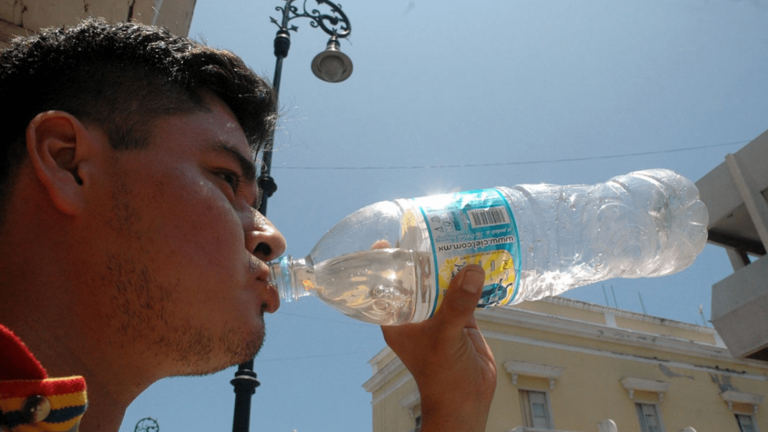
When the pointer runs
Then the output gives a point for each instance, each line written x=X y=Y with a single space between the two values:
x=67 y=343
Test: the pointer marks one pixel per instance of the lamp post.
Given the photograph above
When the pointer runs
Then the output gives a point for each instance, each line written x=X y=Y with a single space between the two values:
x=330 y=65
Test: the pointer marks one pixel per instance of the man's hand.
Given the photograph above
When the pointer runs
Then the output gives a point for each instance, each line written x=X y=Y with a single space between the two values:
x=449 y=359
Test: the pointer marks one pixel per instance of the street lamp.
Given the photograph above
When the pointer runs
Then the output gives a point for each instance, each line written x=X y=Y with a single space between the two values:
x=330 y=65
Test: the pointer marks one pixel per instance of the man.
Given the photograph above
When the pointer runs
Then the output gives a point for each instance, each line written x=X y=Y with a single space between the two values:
x=130 y=247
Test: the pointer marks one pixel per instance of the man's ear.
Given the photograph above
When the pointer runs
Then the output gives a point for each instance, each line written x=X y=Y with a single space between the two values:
x=59 y=147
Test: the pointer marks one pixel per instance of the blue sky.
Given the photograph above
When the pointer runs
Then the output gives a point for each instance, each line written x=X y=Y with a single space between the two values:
x=448 y=96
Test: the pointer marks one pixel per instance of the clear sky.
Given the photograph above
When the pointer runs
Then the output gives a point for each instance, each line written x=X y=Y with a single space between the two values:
x=448 y=96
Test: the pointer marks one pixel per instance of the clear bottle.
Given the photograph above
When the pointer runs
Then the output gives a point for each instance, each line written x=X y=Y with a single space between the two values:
x=390 y=263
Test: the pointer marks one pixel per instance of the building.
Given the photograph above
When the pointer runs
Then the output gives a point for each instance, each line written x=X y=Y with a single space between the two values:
x=22 y=17
x=736 y=196
x=574 y=366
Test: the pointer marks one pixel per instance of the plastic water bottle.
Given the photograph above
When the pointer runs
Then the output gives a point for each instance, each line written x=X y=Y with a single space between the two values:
x=390 y=263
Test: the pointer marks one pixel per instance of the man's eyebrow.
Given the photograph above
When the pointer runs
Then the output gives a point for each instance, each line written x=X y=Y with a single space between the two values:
x=247 y=166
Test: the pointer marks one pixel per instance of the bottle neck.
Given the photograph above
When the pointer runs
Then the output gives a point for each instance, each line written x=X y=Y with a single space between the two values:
x=292 y=278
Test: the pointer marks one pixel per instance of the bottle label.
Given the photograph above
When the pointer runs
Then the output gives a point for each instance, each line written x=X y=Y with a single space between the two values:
x=474 y=227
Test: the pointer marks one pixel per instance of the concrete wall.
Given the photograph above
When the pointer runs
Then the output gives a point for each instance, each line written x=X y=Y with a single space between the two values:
x=736 y=195
x=22 y=17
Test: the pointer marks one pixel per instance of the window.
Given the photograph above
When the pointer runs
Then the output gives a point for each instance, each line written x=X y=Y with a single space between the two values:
x=746 y=423
x=649 y=418
x=418 y=424
x=535 y=409
x=412 y=403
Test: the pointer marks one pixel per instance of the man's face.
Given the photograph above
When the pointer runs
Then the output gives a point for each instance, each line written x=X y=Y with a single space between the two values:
x=185 y=249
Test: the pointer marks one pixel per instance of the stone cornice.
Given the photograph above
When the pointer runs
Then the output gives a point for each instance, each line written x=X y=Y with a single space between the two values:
x=568 y=326
x=383 y=375
x=653 y=386
x=517 y=367
x=731 y=396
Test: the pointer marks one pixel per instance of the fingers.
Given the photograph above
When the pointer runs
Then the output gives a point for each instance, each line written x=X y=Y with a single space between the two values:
x=458 y=307
x=381 y=244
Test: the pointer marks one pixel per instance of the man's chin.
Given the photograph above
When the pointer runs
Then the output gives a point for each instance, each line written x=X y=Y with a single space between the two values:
x=234 y=348
x=243 y=347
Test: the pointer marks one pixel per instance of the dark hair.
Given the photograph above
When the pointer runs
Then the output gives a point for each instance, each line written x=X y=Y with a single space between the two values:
x=121 y=77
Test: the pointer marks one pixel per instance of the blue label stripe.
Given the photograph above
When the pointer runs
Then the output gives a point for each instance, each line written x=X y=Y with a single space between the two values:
x=435 y=268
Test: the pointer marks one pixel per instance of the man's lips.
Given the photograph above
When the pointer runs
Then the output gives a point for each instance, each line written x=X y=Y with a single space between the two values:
x=270 y=296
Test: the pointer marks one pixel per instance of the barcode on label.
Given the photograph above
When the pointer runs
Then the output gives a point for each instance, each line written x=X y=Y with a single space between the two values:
x=489 y=216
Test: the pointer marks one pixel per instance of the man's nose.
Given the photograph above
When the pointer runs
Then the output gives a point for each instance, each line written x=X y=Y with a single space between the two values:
x=262 y=238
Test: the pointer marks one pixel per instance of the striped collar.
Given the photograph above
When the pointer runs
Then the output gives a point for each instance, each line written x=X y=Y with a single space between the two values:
x=29 y=400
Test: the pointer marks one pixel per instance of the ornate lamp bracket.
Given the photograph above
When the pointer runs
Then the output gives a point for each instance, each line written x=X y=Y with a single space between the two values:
x=327 y=22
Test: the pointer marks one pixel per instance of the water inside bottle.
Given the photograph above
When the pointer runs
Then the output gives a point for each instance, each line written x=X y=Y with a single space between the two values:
x=381 y=286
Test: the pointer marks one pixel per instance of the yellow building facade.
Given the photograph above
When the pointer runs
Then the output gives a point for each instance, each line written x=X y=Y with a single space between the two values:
x=573 y=366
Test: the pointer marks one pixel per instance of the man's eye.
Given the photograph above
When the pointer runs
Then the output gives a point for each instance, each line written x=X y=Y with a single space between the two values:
x=232 y=179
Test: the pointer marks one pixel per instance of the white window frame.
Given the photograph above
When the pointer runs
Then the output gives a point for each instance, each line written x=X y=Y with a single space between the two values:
x=527 y=410
x=641 y=420
x=751 y=418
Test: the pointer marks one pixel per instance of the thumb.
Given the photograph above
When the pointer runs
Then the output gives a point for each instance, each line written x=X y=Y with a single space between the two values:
x=460 y=301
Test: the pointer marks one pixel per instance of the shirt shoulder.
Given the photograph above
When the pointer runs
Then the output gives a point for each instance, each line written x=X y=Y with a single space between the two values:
x=29 y=399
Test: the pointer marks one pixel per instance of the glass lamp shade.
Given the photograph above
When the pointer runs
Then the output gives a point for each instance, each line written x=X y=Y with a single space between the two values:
x=332 y=65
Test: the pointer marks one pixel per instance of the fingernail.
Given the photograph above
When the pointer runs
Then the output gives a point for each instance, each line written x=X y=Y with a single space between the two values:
x=473 y=281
